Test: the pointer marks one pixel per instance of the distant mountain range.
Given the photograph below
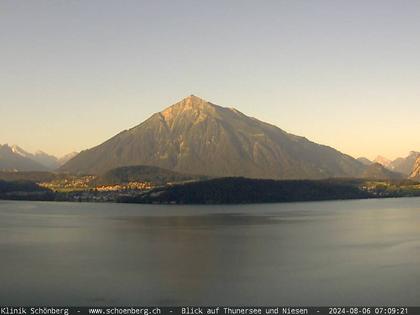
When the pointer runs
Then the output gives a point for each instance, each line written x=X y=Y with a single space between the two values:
x=14 y=158
x=405 y=165
x=49 y=161
x=378 y=171
x=401 y=165
x=194 y=136
x=12 y=161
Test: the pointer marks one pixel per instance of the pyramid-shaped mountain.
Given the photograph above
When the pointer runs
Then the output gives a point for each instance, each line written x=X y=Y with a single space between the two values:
x=197 y=137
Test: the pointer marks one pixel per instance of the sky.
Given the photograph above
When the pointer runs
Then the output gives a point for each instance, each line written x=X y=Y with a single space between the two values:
x=341 y=73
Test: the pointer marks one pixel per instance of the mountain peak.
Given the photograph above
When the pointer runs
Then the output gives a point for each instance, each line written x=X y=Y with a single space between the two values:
x=18 y=150
x=192 y=105
x=382 y=160
x=192 y=101
x=13 y=158
x=194 y=98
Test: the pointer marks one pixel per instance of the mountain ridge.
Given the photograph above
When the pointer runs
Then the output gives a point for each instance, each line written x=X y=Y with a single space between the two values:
x=12 y=161
x=404 y=165
x=378 y=171
x=13 y=156
x=45 y=159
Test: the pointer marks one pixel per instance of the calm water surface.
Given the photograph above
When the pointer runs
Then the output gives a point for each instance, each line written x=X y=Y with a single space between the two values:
x=314 y=253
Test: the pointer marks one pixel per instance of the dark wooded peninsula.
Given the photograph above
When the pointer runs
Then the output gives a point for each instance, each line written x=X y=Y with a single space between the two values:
x=230 y=190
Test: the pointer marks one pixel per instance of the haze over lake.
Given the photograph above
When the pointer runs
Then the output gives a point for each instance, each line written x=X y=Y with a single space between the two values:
x=313 y=253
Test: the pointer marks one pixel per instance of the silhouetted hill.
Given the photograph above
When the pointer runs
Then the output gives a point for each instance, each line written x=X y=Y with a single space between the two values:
x=19 y=186
x=245 y=190
x=36 y=177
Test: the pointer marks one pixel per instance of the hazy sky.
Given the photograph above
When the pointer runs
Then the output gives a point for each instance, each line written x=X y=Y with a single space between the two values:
x=341 y=73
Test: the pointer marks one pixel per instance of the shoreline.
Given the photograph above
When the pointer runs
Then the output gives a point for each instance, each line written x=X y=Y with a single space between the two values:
x=207 y=203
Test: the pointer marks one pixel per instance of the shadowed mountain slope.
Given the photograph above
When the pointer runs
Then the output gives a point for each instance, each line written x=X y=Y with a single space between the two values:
x=197 y=137
x=365 y=161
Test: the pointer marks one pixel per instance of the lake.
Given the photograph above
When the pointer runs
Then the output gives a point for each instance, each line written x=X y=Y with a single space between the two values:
x=359 y=252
